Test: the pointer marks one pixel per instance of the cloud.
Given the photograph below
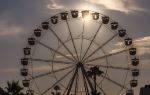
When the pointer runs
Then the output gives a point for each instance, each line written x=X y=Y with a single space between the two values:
x=37 y=68
x=143 y=50
x=8 y=70
x=144 y=41
x=142 y=44
x=118 y=5
x=146 y=63
x=7 y=28
x=42 y=68
x=54 y=6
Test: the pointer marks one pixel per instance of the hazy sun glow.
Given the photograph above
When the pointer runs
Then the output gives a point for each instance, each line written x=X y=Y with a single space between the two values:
x=87 y=17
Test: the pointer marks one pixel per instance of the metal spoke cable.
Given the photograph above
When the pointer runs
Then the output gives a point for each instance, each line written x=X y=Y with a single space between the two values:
x=48 y=73
x=72 y=81
x=54 y=61
x=37 y=86
x=72 y=39
x=62 y=43
x=55 y=51
x=100 y=88
x=108 y=55
x=57 y=82
x=76 y=84
x=114 y=82
x=85 y=84
x=87 y=78
x=92 y=41
x=82 y=40
x=68 y=85
x=112 y=67
x=100 y=47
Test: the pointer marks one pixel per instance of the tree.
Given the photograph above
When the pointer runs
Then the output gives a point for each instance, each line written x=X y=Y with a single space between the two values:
x=3 y=92
x=12 y=88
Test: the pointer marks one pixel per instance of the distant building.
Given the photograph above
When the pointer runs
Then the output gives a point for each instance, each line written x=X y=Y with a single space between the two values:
x=145 y=90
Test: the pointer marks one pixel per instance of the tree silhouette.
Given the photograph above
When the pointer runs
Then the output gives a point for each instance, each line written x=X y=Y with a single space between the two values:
x=3 y=92
x=12 y=88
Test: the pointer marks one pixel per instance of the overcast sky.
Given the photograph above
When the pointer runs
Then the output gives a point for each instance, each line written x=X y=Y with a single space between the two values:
x=18 y=19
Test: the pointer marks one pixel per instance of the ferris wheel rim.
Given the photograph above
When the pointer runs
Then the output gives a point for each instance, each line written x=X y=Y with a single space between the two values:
x=73 y=38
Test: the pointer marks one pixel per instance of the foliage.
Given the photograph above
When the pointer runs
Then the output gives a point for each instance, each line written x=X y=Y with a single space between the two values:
x=12 y=88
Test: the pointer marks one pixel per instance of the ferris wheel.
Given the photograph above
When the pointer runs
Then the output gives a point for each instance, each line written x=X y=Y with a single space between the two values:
x=80 y=52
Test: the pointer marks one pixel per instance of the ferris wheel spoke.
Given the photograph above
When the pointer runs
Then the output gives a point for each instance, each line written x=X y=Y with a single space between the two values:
x=92 y=40
x=53 y=61
x=112 y=67
x=108 y=55
x=82 y=40
x=57 y=81
x=76 y=83
x=99 y=87
x=62 y=43
x=71 y=82
x=87 y=78
x=36 y=85
x=85 y=84
x=72 y=40
x=48 y=47
x=114 y=82
x=54 y=71
x=100 y=47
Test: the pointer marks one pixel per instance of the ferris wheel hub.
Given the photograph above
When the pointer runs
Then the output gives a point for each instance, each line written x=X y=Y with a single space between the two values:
x=80 y=64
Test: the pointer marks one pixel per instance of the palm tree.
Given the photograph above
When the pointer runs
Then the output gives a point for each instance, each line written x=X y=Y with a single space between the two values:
x=13 y=88
x=93 y=72
x=3 y=92
x=56 y=88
